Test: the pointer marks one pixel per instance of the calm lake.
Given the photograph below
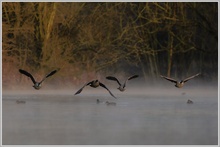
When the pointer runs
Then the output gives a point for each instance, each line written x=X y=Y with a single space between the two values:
x=148 y=118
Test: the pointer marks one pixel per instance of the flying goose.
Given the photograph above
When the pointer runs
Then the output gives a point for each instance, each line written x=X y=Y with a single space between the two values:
x=179 y=84
x=121 y=87
x=37 y=85
x=94 y=84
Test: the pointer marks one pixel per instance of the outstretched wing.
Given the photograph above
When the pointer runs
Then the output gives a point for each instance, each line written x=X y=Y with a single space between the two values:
x=132 y=77
x=106 y=88
x=187 y=79
x=48 y=75
x=129 y=78
x=80 y=90
x=169 y=79
x=114 y=79
x=27 y=74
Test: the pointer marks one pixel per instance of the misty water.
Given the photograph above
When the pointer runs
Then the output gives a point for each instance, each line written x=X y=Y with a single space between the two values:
x=140 y=117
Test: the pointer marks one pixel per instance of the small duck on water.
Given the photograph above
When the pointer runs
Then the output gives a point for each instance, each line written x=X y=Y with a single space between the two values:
x=189 y=102
x=110 y=103
x=99 y=101
x=20 y=102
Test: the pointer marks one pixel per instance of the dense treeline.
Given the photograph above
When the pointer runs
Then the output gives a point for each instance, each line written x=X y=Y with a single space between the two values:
x=86 y=39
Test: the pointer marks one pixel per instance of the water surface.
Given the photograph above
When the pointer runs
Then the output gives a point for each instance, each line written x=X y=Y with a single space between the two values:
x=137 y=119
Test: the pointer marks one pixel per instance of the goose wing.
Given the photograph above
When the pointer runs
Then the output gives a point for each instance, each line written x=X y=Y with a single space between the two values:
x=169 y=79
x=132 y=77
x=106 y=89
x=187 y=79
x=114 y=79
x=27 y=74
x=48 y=75
x=80 y=90
x=129 y=78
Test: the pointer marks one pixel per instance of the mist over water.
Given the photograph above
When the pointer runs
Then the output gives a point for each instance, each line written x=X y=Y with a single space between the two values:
x=144 y=115
x=88 y=41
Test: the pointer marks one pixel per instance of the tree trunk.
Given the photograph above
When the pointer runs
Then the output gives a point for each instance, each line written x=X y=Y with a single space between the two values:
x=170 y=55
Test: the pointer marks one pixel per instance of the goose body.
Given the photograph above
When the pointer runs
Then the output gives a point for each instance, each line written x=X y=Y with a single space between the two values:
x=121 y=86
x=37 y=85
x=94 y=84
x=179 y=84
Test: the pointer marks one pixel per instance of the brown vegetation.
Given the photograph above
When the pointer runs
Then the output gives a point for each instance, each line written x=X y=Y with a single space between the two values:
x=86 y=39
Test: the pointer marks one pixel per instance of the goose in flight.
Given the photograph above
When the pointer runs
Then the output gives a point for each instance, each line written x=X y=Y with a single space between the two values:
x=179 y=84
x=37 y=85
x=94 y=84
x=121 y=87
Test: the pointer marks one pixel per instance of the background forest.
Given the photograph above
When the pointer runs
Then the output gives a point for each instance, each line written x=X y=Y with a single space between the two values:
x=90 y=40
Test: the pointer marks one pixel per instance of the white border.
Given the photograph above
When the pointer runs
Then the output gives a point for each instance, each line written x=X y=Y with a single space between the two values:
x=106 y=1
x=1 y=73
